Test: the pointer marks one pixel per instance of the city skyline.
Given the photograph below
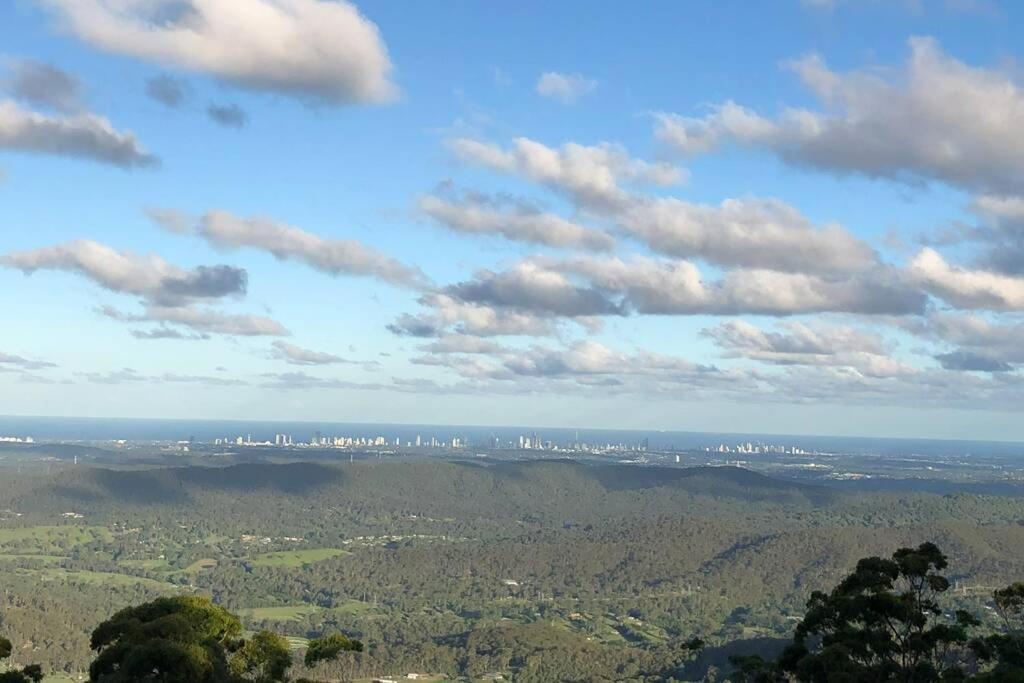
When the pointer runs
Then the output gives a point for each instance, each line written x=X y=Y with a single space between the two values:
x=796 y=218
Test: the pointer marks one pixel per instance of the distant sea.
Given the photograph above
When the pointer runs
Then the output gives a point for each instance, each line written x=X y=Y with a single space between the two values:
x=106 y=429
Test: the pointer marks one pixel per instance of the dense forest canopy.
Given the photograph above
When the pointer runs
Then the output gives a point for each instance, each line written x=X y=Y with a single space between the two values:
x=469 y=569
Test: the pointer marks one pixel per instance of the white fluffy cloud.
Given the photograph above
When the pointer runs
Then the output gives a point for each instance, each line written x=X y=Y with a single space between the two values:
x=202 y=320
x=566 y=88
x=86 y=136
x=286 y=242
x=613 y=286
x=590 y=175
x=935 y=119
x=800 y=344
x=478 y=215
x=752 y=233
x=965 y=287
x=148 y=276
x=316 y=50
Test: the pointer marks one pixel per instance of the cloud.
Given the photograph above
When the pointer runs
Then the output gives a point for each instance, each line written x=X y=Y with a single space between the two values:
x=612 y=286
x=590 y=175
x=202 y=320
x=461 y=343
x=167 y=90
x=753 y=233
x=532 y=287
x=297 y=355
x=1001 y=232
x=125 y=272
x=334 y=257
x=44 y=85
x=935 y=119
x=971 y=333
x=477 y=214
x=227 y=115
x=972 y=362
x=964 y=287
x=447 y=313
x=167 y=333
x=171 y=220
x=799 y=344
x=129 y=375
x=565 y=88
x=22 y=363
x=315 y=50
x=85 y=136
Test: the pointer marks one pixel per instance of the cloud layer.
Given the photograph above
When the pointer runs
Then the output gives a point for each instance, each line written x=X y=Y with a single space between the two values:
x=315 y=50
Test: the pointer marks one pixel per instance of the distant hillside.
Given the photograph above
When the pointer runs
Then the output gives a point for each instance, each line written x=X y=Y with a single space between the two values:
x=453 y=486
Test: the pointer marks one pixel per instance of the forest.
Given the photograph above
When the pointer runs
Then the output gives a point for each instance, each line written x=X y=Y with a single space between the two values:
x=545 y=570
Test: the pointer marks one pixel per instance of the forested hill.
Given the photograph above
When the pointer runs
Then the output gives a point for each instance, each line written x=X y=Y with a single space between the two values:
x=468 y=568
x=471 y=486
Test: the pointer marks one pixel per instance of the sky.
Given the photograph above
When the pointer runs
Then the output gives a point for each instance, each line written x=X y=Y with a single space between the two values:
x=800 y=217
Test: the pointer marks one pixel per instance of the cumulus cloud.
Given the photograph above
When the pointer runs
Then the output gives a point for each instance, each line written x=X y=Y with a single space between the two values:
x=44 y=85
x=86 y=136
x=590 y=175
x=612 y=286
x=565 y=88
x=335 y=257
x=148 y=276
x=753 y=233
x=446 y=313
x=965 y=287
x=315 y=50
x=935 y=119
x=477 y=214
x=227 y=115
x=971 y=335
x=799 y=344
x=531 y=287
x=167 y=90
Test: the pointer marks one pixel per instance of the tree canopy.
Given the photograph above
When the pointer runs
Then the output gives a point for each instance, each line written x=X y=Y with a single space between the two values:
x=33 y=673
x=189 y=639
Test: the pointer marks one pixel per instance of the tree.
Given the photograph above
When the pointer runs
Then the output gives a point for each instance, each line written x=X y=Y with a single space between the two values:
x=265 y=658
x=881 y=623
x=1004 y=651
x=327 y=648
x=33 y=673
x=177 y=639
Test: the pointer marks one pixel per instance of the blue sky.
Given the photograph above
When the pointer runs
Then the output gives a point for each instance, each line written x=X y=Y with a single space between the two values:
x=807 y=215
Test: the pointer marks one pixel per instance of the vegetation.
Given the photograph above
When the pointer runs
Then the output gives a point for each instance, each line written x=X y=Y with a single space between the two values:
x=456 y=569
x=884 y=622
x=32 y=673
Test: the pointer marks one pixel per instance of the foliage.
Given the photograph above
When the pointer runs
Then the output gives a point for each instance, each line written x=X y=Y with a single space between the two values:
x=33 y=673
x=327 y=648
x=881 y=624
x=1005 y=650
x=264 y=658
x=182 y=638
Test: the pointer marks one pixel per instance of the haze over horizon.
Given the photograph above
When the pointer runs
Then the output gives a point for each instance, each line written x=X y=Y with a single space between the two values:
x=802 y=217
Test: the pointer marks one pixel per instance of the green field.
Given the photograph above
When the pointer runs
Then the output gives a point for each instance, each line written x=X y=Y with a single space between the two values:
x=48 y=559
x=49 y=540
x=295 y=558
x=200 y=565
x=108 y=578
